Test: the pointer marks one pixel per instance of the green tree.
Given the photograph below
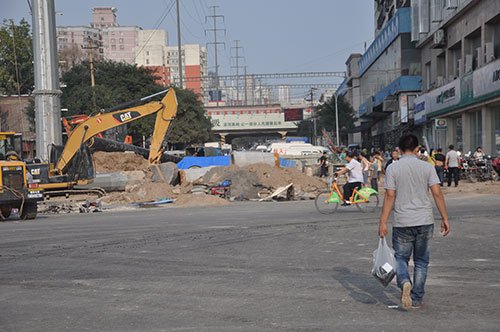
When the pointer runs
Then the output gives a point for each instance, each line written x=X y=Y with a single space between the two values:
x=191 y=125
x=16 y=58
x=325 y=117
x=117 y=83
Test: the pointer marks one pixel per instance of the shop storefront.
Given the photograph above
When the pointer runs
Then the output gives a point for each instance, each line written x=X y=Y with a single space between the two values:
x=467 y=109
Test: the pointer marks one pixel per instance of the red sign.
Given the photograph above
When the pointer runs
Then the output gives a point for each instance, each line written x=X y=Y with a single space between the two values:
x=294 y=114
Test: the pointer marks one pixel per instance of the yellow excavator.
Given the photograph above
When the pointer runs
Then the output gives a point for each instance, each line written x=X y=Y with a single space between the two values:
x=73 y=165
x=17 y=190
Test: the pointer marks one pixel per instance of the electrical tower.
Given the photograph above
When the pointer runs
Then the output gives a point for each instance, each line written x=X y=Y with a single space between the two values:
x=215 y=30
x=237 y=58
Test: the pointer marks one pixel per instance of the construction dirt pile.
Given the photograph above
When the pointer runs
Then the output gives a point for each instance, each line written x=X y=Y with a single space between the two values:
x=145 y=191
x=108 y=162
x=194 y=200
x=260 y=180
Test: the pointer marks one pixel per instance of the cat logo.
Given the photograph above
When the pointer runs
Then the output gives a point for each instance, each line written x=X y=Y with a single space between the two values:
x=35 y=171
x=125 y=117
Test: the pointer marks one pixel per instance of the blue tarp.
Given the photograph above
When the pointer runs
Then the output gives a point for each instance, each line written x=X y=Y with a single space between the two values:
x=287 y=163
x=188 y=162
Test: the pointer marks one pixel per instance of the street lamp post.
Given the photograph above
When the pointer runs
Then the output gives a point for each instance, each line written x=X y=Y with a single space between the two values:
x=337 y=119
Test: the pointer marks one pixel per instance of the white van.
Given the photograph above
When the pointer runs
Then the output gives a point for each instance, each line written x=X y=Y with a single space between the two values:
x=296 y=149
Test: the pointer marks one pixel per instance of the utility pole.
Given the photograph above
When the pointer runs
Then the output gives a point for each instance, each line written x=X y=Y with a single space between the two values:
x=245 y=84
x=91 y=49
x=313 y=112
x=237 y=59
x=179 y=47
x=214 y=17
x=47 y=92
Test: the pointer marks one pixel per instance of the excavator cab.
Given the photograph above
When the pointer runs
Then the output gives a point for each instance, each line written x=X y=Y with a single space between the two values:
x=80 y=169
x=17 y=190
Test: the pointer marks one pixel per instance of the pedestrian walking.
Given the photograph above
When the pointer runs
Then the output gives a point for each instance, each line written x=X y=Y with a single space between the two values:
x=373 y=173
x=323 y=165
x=451 y=164
x=439 y=159
x=407 y=184
x=394 y=157
x=365 y=166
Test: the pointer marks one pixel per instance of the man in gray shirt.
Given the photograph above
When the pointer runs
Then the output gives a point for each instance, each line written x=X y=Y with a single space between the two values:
x=451 y=164
x=407 y=184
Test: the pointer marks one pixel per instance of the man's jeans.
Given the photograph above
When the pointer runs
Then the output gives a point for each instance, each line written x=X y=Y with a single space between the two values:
x=406 y=240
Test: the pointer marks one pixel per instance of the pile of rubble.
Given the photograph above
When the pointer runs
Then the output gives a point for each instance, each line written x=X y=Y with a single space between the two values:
x=261 y=180
x=251 y=182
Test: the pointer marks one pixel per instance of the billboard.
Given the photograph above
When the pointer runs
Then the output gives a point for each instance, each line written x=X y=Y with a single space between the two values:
x=294 y=114
x=249 y=118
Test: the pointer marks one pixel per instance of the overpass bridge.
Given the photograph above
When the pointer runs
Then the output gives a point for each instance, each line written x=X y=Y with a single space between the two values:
x=236 y=121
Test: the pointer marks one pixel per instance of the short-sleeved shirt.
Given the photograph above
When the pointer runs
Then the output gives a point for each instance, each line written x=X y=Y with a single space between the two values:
x=355 y=171
x=411 y=178
x=452 y=156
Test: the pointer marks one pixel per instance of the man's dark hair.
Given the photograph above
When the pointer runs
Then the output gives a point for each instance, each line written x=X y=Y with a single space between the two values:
x=408 y=143
x=350 y=154
x=440 y=150
x=451 y=147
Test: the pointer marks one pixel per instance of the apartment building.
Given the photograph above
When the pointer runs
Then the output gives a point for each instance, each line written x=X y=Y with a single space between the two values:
x=388 y=78
x=134 y=45
x=459 y=41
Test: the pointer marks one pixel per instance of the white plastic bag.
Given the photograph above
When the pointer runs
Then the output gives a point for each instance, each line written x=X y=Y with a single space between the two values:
x=384 y=264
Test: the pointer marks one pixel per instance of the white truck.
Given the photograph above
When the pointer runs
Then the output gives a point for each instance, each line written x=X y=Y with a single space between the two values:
x=297 y=149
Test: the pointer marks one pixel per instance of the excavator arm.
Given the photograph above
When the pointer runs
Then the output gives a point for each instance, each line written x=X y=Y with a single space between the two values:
x=166 y=110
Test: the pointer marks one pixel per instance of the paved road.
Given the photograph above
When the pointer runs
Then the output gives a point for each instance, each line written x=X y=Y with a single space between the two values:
x=246 y=267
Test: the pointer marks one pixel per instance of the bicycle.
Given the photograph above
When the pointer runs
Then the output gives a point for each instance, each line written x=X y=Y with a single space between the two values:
x=365 y=199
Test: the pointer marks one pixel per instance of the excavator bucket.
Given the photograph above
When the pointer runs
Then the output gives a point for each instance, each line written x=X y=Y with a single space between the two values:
x=163 y=119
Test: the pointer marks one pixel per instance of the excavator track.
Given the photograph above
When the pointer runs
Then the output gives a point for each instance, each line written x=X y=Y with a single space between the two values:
x=99 y=192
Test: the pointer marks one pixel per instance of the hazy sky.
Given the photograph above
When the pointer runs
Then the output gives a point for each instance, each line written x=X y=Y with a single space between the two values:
x=277 y=35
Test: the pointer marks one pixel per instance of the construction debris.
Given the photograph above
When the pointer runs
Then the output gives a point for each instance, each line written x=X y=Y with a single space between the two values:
x=108 y=162
x=145 y=187
x=257 y=180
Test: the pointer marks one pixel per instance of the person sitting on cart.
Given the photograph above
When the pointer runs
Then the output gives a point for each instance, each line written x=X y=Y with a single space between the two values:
x=353 y=168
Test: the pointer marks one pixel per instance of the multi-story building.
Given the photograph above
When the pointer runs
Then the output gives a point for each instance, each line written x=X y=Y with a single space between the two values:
x=459 y=42
x=134 y=45
x=350 y=90
x=120 y=43
x=389 y=77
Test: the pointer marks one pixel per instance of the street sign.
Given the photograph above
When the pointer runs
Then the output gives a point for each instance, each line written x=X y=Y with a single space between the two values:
x=441 y=123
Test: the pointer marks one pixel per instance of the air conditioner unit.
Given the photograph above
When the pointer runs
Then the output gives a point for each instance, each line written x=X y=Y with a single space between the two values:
x=468 y=63
x=440 y=81
x=489 y=52
x=478 y=56
x=439 y=38
x=451 y=4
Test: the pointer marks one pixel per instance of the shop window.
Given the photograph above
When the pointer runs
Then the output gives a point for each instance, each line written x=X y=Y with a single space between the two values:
x=459 y=132
x=428 y=76
x=455 y=60
x=476 y=129
x=496 y=135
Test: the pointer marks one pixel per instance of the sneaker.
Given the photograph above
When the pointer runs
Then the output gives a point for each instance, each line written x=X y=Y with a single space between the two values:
x=406 y=296
x=416 y=305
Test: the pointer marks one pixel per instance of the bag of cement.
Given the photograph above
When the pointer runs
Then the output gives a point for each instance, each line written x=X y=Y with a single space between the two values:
x=384 y=264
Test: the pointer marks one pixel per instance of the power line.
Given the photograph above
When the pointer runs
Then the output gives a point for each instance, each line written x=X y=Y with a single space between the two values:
x=157 y=25
x=237 y=58
x=339 y=74
x=214 y=30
